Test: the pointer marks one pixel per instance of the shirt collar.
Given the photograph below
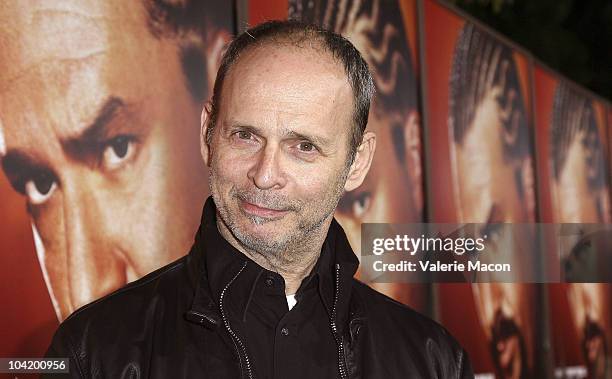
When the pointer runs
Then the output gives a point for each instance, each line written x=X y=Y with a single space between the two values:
x=220 y=262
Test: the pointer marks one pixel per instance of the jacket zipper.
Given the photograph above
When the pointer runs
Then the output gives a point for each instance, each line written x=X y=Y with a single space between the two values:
x=238 y=344
x=241 y=348
x=334 y=327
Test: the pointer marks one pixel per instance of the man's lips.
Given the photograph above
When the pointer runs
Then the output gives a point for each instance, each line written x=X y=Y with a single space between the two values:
x=255 y=210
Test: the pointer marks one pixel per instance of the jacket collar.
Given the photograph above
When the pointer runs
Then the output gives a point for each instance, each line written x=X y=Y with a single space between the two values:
x=213 y=262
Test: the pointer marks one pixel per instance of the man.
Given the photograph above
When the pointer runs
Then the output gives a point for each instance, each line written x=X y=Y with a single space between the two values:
x=495 y=185
x=392 y=191
x=267 y=289
x=99 y=107
x=577 y=159
x=580 y=185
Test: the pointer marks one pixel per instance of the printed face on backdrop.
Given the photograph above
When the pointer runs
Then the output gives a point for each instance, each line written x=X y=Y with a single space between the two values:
x=392 y=191
x=494 y=178
x=279 y=150
x=578 y=159
x=582 y=193
x=100 y=125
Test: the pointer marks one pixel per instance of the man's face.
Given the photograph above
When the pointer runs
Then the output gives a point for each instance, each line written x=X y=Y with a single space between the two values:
x=488 y=194
x=101 y=137
x=577 y=202
x=589 y=302
x=279 y=149
x=488 y=186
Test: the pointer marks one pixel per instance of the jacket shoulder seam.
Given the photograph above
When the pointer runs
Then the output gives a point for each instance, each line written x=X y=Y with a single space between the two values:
x=137 y=284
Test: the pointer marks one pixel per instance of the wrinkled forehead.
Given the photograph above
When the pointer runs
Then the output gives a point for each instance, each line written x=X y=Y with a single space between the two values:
x=36 y=32
x=62 y=59
x=271 y=70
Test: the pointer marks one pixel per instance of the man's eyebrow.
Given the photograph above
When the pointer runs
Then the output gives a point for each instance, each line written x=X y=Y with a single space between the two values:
x=89 y=139
x=243 y=127
x=19 y=166
x=317 y=140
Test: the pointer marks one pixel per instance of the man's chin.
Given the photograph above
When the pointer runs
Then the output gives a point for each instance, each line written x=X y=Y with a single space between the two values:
x=261 y=237
x=262 y=221
x=268 y=230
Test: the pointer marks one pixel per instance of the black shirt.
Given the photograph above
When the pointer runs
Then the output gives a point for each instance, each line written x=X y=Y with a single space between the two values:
x=283 y=343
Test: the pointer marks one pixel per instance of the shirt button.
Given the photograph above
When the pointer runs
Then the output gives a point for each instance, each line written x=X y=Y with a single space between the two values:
x=285 y=331
x=269 y=282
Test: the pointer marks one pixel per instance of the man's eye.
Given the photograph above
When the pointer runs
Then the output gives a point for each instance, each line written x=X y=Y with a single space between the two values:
x=244 y=135
x=492 y=231
x=116 y=151
x=40 y=187
x=306 y=146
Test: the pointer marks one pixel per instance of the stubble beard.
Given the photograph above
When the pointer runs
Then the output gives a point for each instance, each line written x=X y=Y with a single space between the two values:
x=288 y=250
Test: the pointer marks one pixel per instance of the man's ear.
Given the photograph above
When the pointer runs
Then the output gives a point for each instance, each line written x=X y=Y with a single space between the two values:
x=204 y=123
x=362 y=162
x=412 y=150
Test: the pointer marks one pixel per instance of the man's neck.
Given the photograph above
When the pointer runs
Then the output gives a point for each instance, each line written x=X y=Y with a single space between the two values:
x=293 y=264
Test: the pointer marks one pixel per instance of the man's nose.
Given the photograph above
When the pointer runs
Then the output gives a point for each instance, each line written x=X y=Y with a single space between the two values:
x=267 y=172
x=94 y=267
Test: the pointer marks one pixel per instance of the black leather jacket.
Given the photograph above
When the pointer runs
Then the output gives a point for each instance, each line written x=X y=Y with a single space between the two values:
x=171 y=324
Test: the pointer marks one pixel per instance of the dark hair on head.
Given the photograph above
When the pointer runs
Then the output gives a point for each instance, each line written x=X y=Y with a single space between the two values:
x=379 y=34
x=299 y=34
x=573 y=116
x=480 y=63
x=188 y=22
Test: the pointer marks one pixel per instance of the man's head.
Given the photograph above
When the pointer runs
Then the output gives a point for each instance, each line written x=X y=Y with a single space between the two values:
x=486 y=103
x=392 y=191
x=284 y=135
x=578 y=160
x=99 y=106
x=494 y=177
x=579 y=170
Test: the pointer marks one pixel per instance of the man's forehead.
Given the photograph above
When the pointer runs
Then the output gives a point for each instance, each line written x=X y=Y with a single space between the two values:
x=290 y=60
x=34 y=33
x=66 y=58
x=52 y=30
x=287 y=73
x=281 y=75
